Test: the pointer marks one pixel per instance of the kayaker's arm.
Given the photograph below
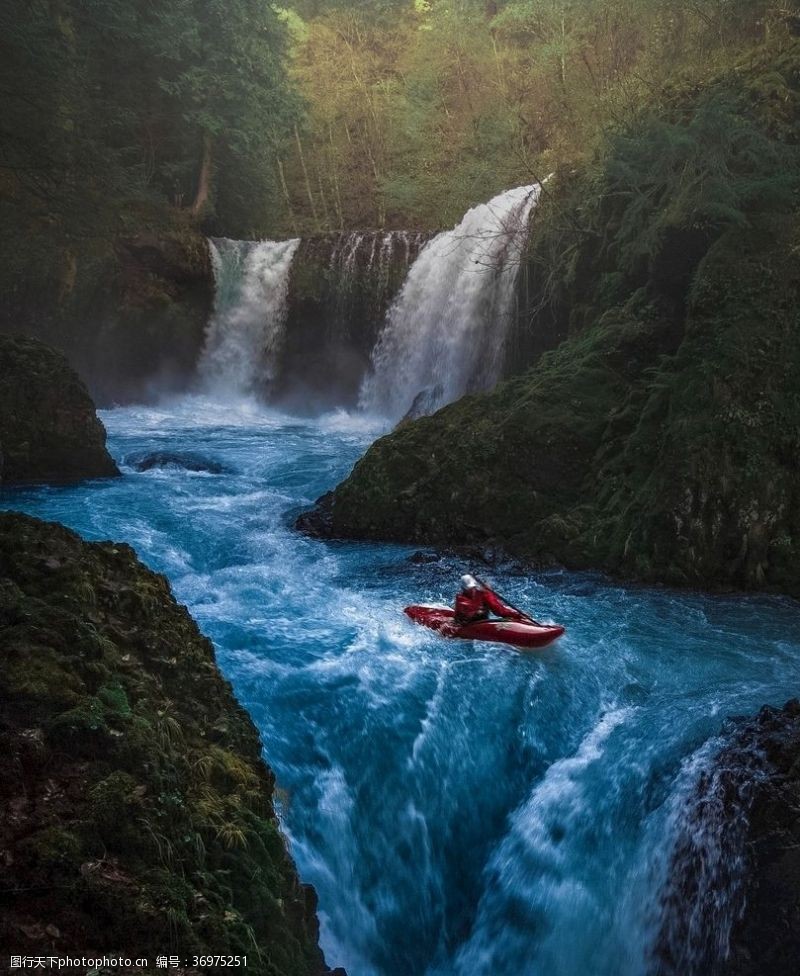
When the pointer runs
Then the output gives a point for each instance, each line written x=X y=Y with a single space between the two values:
x=497 y=606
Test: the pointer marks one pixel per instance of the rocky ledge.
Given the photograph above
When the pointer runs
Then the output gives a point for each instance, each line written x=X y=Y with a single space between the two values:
x=49 y=430
x=732 y=905
x=138 y=810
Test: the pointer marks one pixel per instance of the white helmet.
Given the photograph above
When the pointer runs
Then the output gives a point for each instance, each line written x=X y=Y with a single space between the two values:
x=469 y=582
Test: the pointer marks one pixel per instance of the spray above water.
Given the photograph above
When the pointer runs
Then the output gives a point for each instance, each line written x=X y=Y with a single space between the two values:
x=247 y=327
x=445 y=334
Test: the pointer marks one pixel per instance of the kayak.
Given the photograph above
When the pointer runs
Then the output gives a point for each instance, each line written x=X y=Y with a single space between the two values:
x=518 y=633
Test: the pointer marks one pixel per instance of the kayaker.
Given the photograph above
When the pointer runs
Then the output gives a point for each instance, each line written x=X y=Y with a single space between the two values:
x=476 y=602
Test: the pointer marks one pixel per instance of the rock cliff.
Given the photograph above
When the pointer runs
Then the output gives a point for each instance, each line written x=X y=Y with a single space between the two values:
x=732 y=905
x=138 y=815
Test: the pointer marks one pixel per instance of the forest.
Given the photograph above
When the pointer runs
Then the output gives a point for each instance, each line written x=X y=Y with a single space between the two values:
x=250 y=119
x=134 y=129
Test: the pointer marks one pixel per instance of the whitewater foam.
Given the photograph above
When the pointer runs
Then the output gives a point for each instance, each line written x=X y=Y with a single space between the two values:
x=445 y=333
x=245 y=333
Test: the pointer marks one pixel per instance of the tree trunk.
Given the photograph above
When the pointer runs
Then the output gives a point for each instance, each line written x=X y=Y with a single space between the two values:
x=337 y=195
x=204 y=182
x=310 y=195
x=287 y=197
x=323 y=201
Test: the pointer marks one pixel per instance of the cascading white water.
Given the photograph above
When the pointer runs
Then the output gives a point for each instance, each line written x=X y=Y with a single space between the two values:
x=376 y=253
x=246 y=329
x=445 y=333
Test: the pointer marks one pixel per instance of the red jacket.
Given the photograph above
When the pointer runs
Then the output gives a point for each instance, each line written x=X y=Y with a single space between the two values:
x=477 y=602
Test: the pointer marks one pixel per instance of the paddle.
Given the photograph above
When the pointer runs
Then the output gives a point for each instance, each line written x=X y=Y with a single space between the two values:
x=522 y=613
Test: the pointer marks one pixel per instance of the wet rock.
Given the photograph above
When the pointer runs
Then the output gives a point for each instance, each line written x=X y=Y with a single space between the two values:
x=424 y=403
x=317 y=522
x=130 y=826
x=186 y=460
x=422 y=558
x=49 y=431
x=340 y=288
x=732 y=904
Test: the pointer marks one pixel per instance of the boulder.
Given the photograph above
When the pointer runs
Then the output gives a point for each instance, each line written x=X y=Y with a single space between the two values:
x=49 y=430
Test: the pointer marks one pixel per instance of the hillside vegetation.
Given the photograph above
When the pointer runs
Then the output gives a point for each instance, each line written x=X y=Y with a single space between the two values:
x=661 y=439
x=133 y=130
x=416 y=110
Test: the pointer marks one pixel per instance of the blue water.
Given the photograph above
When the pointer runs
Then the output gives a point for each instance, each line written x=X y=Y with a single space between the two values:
x=461 y=809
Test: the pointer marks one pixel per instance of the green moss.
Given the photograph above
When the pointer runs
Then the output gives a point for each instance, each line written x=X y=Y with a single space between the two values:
x=145 y=790
x=48 y=427
x=55 y=851
x=115 y=699
x=88 y=715
x=41 y=676
x=661 y=439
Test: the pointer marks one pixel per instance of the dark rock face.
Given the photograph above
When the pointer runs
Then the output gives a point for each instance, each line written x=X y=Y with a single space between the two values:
x=129 y=312
x=318 y=522
x=422 y=405
x=732 y=906
x=340 y=288
x=186 y=460
x=138 y=812
x=48 y=427
x=152 y=312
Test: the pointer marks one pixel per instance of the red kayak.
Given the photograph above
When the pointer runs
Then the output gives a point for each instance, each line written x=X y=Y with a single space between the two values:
x=518 y=633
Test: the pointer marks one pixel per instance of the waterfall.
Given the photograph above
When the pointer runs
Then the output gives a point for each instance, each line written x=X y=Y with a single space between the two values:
x=400 y=322
x=341 y=287
x=369 y=262
x=246 y=330
x=372 y=264
x=445 y=334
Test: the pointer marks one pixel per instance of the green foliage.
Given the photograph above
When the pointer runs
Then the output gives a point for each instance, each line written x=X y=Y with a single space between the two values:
x=659 y=440
x=439 y=105
x=107 y=102
x=716 y=169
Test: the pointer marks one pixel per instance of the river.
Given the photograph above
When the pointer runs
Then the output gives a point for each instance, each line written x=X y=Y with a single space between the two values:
x=462 y=809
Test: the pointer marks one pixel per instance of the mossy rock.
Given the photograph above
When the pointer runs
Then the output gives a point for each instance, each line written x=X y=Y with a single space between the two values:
x=49 y=430
x=140 y=813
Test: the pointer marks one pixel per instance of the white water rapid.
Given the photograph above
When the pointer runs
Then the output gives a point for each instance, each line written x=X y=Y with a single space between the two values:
x=445 y=333
x=461 y=809
x=247 y=327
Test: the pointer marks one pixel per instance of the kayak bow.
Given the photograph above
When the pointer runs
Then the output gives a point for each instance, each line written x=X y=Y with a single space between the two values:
x=517 y=633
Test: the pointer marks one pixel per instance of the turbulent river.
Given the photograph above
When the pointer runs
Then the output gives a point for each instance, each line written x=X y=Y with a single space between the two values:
x=461 y=808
